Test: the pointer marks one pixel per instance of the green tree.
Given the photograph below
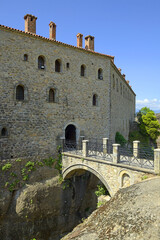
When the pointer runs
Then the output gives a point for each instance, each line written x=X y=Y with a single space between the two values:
x=149 y=125
x=143 y=111
x=120 y=139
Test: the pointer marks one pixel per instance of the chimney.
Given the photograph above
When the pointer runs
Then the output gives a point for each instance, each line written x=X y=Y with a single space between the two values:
x=120 y=69
x=80 y=40
x=52 y=30
x=124 y=75
x=127 y=82
x=89 y=42
x=30 y=23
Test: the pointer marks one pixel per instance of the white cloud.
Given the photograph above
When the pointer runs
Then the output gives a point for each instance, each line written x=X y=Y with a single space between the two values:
x=153 y=104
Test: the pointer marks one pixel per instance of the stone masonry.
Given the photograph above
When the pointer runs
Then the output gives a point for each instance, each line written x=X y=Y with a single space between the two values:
x=33 y=126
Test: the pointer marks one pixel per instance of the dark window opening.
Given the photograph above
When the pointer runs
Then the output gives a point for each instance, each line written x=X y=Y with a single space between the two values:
x=20 y=93
x=67 y=65
x=94 y=102
x=25 y=57
x=100 y=74
x=51 y=95
x=4 y=132
x=57 y=66
x=70 y=134
x=41 y=62
x=82 y=70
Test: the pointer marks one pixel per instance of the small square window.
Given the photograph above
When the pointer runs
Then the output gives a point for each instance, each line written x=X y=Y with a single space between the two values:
x=25 y=57
x=67 y=65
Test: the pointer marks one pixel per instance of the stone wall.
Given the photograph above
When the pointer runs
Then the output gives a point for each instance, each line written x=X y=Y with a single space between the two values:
x=36 y=122
x=122 y=104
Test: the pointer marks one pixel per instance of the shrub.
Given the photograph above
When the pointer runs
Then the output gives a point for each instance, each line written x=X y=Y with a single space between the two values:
x=6 y=167
x=120 y=139
x=101 y=191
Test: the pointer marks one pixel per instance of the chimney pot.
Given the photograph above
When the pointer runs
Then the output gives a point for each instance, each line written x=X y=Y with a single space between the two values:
x=80 y=40
x=52 y=30
x=89 y=42
x=30 y=23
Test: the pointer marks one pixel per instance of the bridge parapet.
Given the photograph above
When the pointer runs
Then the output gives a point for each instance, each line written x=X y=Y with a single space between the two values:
x=132 y=155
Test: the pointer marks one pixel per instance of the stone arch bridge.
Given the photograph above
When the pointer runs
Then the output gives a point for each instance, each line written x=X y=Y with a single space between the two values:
x=113 y=168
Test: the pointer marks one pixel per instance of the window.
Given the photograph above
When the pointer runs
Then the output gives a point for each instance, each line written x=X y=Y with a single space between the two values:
x=95 y=100
x=117 y=84
x=25 y=57
x=121 y=87
x=113 y=82
x=19 y=93
x=57 y=65
x=100 y=74
x=41 y=63
x=51 y=95
x=4 y=132
x=67 y=65
x=83 y=70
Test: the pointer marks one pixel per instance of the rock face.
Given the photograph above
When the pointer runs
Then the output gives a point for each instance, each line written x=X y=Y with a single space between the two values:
x=133 y=213
x=44 y=209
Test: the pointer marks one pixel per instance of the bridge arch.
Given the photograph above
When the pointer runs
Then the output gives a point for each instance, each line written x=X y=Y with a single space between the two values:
x=74 y=167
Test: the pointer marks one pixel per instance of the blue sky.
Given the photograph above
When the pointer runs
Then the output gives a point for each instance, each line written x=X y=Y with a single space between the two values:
x=126 y=29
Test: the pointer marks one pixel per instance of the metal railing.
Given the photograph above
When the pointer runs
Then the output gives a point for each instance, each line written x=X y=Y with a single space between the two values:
x=72 y=147
x=127 y=154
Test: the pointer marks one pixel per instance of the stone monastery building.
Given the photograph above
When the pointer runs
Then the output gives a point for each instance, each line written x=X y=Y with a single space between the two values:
x=49 y=89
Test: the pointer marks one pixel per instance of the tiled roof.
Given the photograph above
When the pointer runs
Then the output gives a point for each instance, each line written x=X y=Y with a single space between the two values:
x=52 y=40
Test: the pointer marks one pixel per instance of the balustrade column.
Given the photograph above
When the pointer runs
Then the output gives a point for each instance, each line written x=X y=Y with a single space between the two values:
x=81 y=138
x=136 y=148
x=105 y=145
x=85 y=147
x=116 y=153
x=157 y=161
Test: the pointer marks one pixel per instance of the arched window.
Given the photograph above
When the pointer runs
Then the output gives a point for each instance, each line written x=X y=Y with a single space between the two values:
x=83 y=70
x=57 y=65
x=4 y=132
x=113 y=82
x=25 y=57
x=52 y=95
x=121 y=87
x=20 y=93
x=117 y=84
x=95 y=100
x=41 y=62
x=100 y=74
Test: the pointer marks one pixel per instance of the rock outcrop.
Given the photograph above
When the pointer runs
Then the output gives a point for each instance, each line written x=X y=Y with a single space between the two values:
x=45 y=209
x=133 y=213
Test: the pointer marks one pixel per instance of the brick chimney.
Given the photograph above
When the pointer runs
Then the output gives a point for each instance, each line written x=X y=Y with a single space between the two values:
x=89 y=42
x=30 y=23
x=80 y=40
x=52 y=30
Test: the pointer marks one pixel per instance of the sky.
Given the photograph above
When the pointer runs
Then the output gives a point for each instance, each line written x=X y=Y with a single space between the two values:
x=126 y=29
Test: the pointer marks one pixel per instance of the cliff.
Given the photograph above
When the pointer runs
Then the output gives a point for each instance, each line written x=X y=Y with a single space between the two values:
x=133 y=213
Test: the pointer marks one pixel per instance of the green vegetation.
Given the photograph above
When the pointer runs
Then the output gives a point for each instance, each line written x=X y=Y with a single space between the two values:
x=19 y=179
x=120 y=139
x=144 y=177
x=101 y=191
x=149 y=127
x=6 y=167
x=100 y=204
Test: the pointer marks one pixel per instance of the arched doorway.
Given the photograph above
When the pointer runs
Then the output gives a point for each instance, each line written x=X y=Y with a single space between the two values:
x=70 y=134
